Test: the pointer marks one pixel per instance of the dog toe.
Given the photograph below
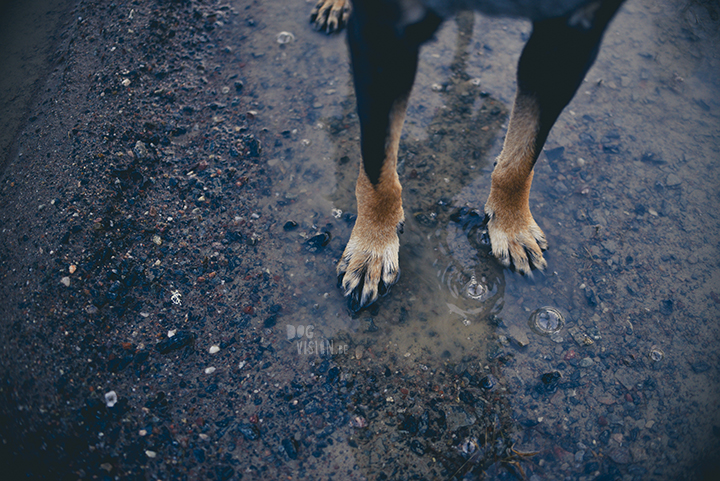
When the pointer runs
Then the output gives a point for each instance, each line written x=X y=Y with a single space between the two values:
x=521 y=248
x=363 y=279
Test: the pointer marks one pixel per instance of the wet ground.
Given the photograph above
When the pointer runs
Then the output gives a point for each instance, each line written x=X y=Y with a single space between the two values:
x=179 y=186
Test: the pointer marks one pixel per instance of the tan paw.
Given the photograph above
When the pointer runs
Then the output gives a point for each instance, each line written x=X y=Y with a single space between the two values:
x=330 y=15
x=516 y=239
x=369 y=266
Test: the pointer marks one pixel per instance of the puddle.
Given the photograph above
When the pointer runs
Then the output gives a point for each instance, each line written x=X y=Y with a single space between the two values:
x=626 y=192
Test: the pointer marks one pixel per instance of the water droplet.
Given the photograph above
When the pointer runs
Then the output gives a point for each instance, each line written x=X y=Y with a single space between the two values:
x=656 y=354
x=285 y=37
x=547 y=320
x=476 y=290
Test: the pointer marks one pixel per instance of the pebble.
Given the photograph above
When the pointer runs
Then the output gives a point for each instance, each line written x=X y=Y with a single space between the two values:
x=140 y=150
x=586 y=362
x=178 y=341
x=65 y=281
x=580 y=337
x=150 y=454
x=214 y=349
x=673 y=180
x=519 y=336
x=110 y=399
x=209 y=370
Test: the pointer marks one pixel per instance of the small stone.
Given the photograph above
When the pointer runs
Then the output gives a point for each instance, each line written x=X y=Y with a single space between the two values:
x=156 y=239
x=209 y=370
x=620 y=455
x=142 y=432
x=72 y=268
x=140 y=150
x=519 y=336
x=214 y=349
x=580 y=337
x=611 y=246
x=126 y=82
x=673 y=180
x=150 y=454
x=65 y=281
x=586 y=362
x=106 y=466
x=110 y=399
x=358 y=352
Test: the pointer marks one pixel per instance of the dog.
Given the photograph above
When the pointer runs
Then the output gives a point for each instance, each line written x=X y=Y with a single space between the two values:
x=384 y=38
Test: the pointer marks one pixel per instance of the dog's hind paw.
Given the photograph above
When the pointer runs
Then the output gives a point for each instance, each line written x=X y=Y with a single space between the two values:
x=519 y=242
x=365 y=273
x=330 y=15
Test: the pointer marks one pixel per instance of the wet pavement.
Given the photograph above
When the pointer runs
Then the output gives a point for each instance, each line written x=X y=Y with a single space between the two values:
x=181 y=185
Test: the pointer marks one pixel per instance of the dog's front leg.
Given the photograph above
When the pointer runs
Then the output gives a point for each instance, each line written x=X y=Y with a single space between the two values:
x=384 y=41
x=552 y=66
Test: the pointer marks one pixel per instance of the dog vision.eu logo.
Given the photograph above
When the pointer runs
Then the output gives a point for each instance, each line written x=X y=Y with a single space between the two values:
x=308 y=344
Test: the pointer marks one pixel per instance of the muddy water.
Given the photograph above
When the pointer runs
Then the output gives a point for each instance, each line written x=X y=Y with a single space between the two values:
x=626 y=192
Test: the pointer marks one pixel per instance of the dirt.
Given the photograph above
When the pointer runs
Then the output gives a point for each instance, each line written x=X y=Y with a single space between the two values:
x=177 y=190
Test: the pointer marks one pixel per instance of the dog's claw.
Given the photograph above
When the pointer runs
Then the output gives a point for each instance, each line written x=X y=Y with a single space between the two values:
x=521 y=246
x=330 y=15
x=365 y=277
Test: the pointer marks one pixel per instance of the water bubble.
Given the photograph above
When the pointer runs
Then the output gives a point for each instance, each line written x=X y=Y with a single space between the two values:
x=547 y=320
x=476 y=290
x=285 y=37
x=656 y=354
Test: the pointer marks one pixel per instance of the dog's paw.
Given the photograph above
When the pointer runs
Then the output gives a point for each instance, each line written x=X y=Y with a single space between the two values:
x=369 y=266
x=516 y=239
x=330 y=15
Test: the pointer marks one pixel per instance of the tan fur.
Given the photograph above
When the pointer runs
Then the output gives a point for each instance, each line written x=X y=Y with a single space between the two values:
x=330 y=15
x=514 y=234
x=371 y=254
